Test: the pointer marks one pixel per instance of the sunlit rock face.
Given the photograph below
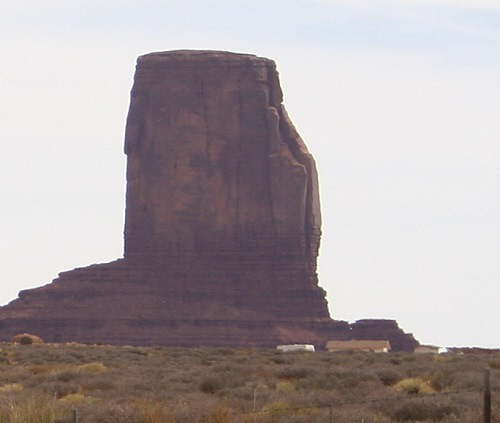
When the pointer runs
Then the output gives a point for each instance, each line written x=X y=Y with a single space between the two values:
x=222 y=222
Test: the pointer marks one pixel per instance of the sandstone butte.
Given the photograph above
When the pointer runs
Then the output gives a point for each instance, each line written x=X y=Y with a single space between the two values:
x=222 y=224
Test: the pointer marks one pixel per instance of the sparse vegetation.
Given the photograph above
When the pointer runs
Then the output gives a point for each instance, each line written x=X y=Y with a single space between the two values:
x=42 y=383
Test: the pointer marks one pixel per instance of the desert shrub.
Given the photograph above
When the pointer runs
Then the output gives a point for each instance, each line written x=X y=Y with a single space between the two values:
x=414 y=386
x=77 y=398
x=241 y=359
x=281 y=360
x=78 y=355
x=138 y=351
x=243 y=381
x=326 y=380
x=92 y=367
x=224 y=351
x=207 y=361
x=282 y=411
x=442 y=358
x=59 y=389
x=292 y=372
x=354 y=377
x=14 y=374
x=339 y=378
x=211 y=384
x=66 y=375
x=276 y=407
x=6 y=357
x=389 y=376
x=415 y=411
x=224 y=377
x=328 y=359
x=99 y=412
x=40 y=369
x=441 y=380
x=472 y=380
x=220 y=415
x=97 y=384
x=254 y=396
x=154 y=412
x=495 y=364
x=285 y=386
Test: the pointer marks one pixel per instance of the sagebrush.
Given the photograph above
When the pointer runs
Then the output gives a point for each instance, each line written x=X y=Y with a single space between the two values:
x=42 y=383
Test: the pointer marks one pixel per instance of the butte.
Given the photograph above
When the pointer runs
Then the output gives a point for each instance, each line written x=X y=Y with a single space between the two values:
x=222 y=225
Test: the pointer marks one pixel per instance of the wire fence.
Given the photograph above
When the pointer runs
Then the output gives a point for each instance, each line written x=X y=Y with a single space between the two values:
x=327 y=409
x=333 y=406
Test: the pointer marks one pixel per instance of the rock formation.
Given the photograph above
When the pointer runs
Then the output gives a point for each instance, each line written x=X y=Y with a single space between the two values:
x=26 y=339
x=383 y=329
x=222 y=224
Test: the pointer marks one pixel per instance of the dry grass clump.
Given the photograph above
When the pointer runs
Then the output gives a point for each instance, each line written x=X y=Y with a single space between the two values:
x=11 y=387
x=92 y=367
x=77 y=398
x=178 y=385
x=28 y=410
x=414 y=386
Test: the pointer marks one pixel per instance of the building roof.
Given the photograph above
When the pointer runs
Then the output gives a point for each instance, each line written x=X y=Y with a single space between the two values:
x=427 y=348
x=358 y=345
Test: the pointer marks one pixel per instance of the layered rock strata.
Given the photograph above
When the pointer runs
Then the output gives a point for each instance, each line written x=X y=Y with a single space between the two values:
x=222 y=223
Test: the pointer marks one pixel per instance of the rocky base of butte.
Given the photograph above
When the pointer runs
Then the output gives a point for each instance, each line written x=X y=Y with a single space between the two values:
x=222 y=224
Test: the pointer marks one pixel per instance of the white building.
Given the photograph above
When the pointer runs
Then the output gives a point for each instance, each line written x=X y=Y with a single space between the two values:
x=295 y=347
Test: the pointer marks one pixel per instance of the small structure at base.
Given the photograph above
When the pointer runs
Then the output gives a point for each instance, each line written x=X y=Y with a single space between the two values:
x=295 y=347
x=427 y=349
x=359 y=345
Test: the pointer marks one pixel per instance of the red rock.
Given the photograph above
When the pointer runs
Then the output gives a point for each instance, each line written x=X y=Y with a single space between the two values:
x=222 y=222
x=26 y=339
x=384 y=329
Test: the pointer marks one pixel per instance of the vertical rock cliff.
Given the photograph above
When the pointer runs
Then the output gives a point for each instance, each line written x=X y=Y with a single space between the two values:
x=216 y=171
x=222 y=193
x=222 y=222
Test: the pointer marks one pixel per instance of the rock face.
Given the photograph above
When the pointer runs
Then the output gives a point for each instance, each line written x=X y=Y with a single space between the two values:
x=222 y=222
x=383 y=329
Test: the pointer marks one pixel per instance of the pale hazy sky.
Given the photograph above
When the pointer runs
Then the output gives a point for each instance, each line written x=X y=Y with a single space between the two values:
x=397 y=100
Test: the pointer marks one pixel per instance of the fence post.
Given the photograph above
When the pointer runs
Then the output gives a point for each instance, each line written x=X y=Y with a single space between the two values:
x=331 y=413
x=74 y=415
x=487 y=397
